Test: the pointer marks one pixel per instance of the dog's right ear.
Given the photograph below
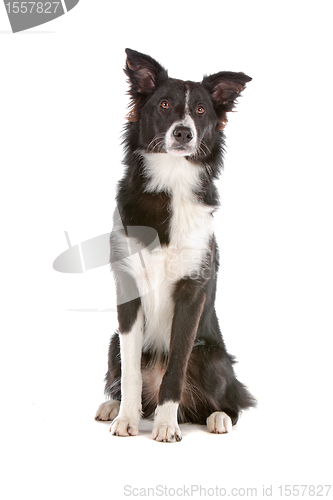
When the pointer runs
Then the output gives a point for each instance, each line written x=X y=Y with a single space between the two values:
x=144 y=74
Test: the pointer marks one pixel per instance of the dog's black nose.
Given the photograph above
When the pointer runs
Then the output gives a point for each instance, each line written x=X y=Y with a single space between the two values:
x=183 y=134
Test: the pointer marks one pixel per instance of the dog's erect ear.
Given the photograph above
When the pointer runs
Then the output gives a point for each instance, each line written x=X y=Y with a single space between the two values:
x=144 y=74
x=225 y=87
x=143 y=71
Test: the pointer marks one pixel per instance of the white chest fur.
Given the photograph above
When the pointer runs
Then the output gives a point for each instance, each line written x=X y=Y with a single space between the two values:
x=191 y=228
x=191 y=223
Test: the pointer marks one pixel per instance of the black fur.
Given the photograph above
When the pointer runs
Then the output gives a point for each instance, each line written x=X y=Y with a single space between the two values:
x=198 y=371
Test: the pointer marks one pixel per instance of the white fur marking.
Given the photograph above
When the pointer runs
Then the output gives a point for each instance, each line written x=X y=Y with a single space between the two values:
x=127 y=421
x=187 y=100
x=108 y=410
x=166 y=424
x=192 y=221
x=219 y=423
x=171 y=144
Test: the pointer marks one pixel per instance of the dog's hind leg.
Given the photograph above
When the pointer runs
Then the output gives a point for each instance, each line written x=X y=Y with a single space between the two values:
x=212 y=394
x=219 y=422
x=108 y=411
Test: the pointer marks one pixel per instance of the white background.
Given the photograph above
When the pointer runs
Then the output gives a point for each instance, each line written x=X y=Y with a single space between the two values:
x=62 y=107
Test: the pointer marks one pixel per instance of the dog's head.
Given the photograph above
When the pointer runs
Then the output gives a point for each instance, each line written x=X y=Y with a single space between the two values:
x=175 y=116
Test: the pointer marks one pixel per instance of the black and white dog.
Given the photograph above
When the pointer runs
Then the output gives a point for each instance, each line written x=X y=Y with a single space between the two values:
x=169 y=358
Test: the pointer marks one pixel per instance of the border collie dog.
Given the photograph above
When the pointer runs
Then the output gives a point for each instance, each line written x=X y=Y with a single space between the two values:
x=168 y=360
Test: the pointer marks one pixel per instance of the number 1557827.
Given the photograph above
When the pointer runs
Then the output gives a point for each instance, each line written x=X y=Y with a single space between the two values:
x=32 y=7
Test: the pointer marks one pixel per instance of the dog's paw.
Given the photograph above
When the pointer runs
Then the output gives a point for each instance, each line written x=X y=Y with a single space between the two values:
x=108 y=410
x=166 y=433
x=219 y=423
x=166 y=428
x=125 y=426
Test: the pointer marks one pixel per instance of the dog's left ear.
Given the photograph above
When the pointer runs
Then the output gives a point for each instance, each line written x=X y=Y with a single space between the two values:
x=225 y=87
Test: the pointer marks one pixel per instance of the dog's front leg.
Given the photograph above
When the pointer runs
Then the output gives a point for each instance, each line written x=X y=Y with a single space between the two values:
x=130 y=318
x=189 y=299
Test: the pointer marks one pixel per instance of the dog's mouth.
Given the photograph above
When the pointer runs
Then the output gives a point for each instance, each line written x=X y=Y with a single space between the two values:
x=180 y=150
x=161 y=145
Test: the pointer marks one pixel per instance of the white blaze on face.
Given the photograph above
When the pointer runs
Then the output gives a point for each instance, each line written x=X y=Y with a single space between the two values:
x=187 y=100
x=172 y=146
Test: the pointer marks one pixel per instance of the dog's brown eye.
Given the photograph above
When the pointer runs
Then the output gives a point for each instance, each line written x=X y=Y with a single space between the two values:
x=200 y=110
x=165 y=105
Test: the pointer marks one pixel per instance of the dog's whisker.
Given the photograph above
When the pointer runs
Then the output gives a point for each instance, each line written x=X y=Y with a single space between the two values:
x=205 y=145
x=157 y=136
x=158 y=144
x=202 y=151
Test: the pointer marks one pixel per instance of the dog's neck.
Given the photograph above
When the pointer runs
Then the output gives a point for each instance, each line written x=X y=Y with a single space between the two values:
x=191 y=219
x=172 y=174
